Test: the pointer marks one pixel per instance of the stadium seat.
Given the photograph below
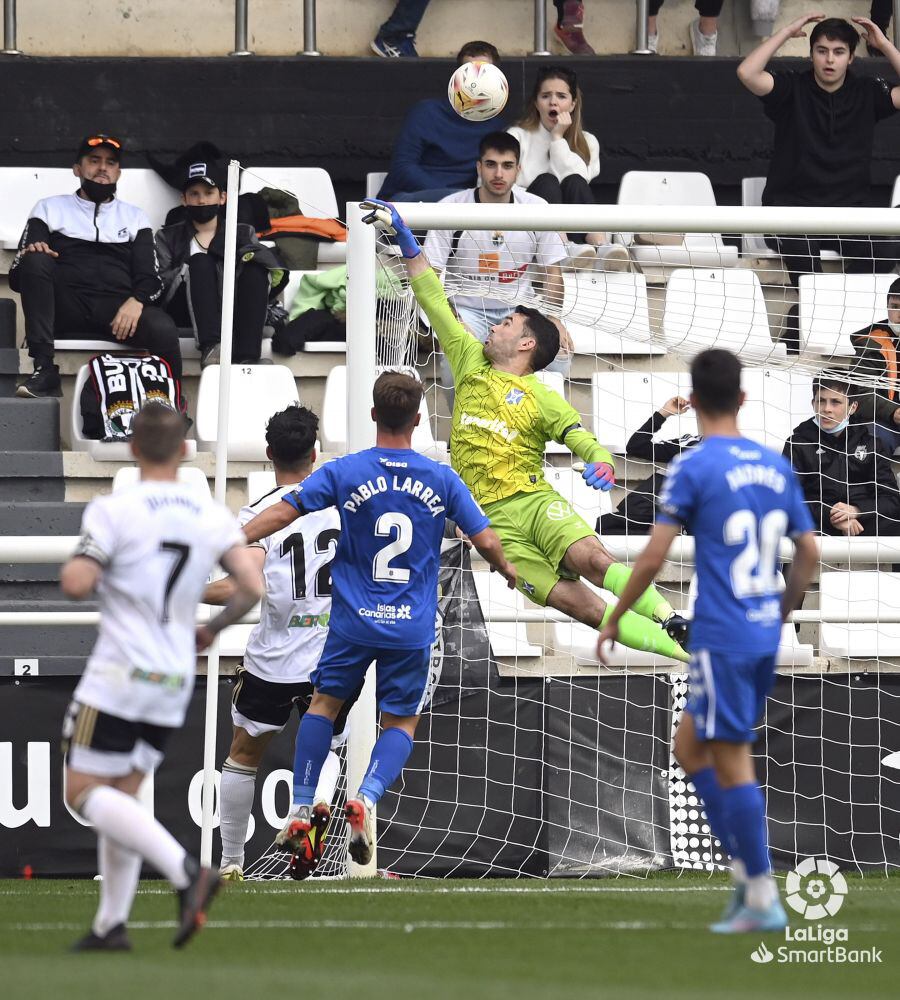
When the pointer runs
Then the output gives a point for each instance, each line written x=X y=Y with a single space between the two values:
x=312 y=188
x=718 y=307
x=190 y=475
x=259 y=483
x=374 y=180
x=290 y=290
x=188 y=344
x=556 y=382
x=895 y=193
x=606 y=312
x=777 y=400
x=257 y=391
x=834 y=306
x=665 y=188
x=506 y=638
x=622 y=401
x=104 y=451
x=873 y=591
x=333 y=427
x=753 y=244
x=587 y=502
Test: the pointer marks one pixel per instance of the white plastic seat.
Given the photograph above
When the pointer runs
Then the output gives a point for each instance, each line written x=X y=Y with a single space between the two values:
x=104 y=451
x=754 y=244
x=146 y=189
x=623 y=401
x=333 y=427
x=313 y=189
x=718 y=307
x=776 y=401
x=834 y=306
x=257 y=391
x=259 y=483
x=190 y=475
x=606 y=312
x=374 y=180
x=587 y=502
x=556 y=382
x=506 y=638
x=874 y=591
x=895 y=193
x=188 y=345
x=315 y=346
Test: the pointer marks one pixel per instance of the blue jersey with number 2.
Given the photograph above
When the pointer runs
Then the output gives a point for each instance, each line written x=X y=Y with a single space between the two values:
x=392 y=504
x=738 y=499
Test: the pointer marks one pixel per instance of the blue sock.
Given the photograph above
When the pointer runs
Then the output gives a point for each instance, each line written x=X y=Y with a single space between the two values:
x=313 y=743
x=744 y=810
x=710 y=792
x=389 y=755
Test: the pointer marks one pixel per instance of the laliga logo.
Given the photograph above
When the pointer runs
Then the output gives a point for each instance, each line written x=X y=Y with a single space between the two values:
x=762 y=955
x=815 y=889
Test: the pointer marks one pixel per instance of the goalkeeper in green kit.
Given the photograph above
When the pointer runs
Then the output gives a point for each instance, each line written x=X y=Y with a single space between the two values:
x=502 y=419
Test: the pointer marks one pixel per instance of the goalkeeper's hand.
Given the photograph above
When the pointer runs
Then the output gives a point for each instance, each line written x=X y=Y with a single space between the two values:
x=385 y=217
x=600 y=475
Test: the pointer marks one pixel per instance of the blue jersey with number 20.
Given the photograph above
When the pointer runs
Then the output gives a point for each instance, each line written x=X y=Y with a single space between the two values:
x=392 y=504
x=738 y=499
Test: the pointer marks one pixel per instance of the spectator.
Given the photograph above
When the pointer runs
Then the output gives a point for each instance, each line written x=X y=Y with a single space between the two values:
x=845 y=474
x=396 y=38
x=191 y=260
x=636 y=513
x=880 y=14
x=435 y=150
x=478 y=262
x=559 y=159
x=569 y=27
x=704 y=29
x=824 y=128
x=876 y=350
x=86 y=264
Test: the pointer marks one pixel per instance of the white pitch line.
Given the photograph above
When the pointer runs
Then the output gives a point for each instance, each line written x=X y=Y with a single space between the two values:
x=379 y=925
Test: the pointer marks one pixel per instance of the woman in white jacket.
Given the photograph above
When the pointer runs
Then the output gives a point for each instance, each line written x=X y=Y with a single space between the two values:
x=559 y=159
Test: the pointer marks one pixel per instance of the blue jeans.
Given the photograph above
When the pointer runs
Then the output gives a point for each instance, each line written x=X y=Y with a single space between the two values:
x=404 y=20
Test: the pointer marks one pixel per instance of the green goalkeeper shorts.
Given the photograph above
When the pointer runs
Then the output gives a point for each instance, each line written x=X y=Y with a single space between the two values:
x=536 y=530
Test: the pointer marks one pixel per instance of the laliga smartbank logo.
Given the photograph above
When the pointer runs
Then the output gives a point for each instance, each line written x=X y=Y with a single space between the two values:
x=816 y=889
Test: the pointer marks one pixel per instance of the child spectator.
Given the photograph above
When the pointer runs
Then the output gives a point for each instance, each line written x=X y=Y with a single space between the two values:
x=846 y=476
x=876 y=351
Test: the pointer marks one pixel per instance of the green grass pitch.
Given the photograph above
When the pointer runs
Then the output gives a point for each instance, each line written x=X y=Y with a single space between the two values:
x=522 y=939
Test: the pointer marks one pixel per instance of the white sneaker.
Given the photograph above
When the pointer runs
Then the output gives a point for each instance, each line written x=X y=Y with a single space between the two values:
x=703 y=45
x=231 y=873
x=653 y=42
x=359 y=818
x=581 y=255
x=612 y=257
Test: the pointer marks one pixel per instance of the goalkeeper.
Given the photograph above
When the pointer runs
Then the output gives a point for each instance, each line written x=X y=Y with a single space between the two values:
x=502 y=419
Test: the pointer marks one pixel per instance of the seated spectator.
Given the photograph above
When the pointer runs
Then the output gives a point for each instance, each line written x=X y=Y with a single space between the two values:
x=569 y=27
x=396 y=38
x=86 y=265
x=191 y=260
x=880 y=14
x=825 y=121
x=704 y=29
x=876 y=351
x=559 y=159
x=845 y=474
x=636 y=513
x=479 y=262
x=435 y=150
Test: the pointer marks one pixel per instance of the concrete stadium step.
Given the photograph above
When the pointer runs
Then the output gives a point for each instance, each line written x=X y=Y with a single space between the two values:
x=51 y=640
x=43 y=666
x=34 y=583
x=32 y=475
x=22 y=517
x=9 y=370
x=30 y=424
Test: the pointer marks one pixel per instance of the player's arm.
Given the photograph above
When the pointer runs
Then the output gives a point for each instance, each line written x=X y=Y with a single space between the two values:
x=562 y=423
x=752 y=71
x=806 y=558
x=222 y=591
x=488 y=544
x=877 y=38
x=644 y=571
x=79 y=577
x=272 y=519
x=246 y=575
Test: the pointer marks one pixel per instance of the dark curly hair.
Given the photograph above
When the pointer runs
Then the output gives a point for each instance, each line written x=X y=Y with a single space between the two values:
x=291 y=436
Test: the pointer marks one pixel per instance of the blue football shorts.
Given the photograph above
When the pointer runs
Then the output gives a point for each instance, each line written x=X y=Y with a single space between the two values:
x=727 y=693
x=402 y=676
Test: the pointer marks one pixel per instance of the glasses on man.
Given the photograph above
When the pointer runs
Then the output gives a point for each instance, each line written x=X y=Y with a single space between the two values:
x=103 y=140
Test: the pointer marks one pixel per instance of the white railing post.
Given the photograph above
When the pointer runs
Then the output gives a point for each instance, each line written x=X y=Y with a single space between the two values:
x=540 y=29
x=9 y=29
x=241 y=31
x=641 y=47
x=309 y=29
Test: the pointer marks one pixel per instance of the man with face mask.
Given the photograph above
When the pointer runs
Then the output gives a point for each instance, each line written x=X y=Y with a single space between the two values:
x=846 y=475
x=191 y=260
x=86 y=265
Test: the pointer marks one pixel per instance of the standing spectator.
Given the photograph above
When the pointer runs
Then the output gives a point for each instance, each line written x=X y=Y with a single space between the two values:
x=435 y=150
x=559 y=159
x=825 y=121
x=876 y=350
x=569 y=27
x=704 y=29
x=396 y=38
x=86 y=264
x=479 y=262
x=880 y=14
x=845 y=473
x=191 y=260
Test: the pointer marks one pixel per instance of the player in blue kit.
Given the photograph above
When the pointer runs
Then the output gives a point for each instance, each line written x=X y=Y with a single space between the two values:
x=393 y=503
x=738 y=499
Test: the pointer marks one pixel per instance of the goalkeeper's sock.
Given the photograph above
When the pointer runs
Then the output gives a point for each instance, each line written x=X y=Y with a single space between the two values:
x=710 y=792
x=744 y=811
x=651 y=604
x=120 y=870
x=641 y=633
x=389 y=756
x=313 y=743
x=235 y=804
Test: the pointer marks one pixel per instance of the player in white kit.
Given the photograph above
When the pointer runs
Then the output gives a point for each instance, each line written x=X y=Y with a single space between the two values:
x=284 y=648
x=147 y=551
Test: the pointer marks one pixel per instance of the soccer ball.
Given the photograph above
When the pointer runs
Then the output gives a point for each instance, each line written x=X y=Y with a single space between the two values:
x=477 y=91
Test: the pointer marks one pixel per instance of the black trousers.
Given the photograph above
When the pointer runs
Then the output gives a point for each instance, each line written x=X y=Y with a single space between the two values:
x=571 y=190
x=52 y=310
x=861 y=254
x=198 y=303
x=705 y=8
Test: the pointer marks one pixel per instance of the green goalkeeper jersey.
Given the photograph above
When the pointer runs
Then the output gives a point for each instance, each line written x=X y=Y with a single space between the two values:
x=501 y=422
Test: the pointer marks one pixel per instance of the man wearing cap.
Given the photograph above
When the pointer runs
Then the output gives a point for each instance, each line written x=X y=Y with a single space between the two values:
x=191 y=261
x=86 y=264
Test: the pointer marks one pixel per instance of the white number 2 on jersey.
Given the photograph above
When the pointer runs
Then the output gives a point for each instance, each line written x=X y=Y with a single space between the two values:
x=754 y=572
x=382 y=570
